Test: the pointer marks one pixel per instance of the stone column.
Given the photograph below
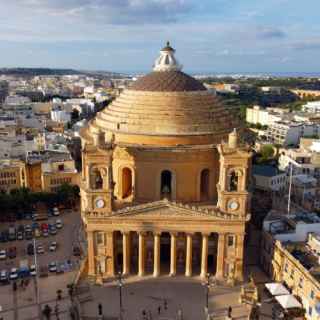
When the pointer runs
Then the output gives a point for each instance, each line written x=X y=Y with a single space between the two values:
x=126 y=252
x=173 y=255
x=142 y=254
x=110 y=254
x=220 y=256
x=239 y=257
x=204 y=255
x=189 y=256
x=156 y=254
x=91 y=254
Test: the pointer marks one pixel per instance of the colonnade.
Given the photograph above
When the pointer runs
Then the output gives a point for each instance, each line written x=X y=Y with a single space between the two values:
x=108 y=254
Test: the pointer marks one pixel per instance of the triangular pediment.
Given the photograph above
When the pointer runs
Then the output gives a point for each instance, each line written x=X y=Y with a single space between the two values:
x=167 y=209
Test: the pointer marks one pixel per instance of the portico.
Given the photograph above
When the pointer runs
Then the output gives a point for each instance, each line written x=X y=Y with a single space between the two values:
x=136 y=242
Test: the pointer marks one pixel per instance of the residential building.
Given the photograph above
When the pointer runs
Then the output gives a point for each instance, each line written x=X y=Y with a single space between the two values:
x=312 y=107
x=288 y=133
x=265 y=116
x=58 y=114
x=12 y=175
x=306 y=93
x=289 y=254
x=269 y=178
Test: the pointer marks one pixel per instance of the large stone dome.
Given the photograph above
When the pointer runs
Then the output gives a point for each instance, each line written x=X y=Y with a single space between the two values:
x=166 y=104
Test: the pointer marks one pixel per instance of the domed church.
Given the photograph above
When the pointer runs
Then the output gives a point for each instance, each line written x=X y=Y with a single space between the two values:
x=164 y=181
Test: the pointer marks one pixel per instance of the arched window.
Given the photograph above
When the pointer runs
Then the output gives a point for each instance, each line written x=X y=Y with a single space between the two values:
x=166 y=184
x=126 y=183
x=233 y=181
x=97 y=181
x=204 y=184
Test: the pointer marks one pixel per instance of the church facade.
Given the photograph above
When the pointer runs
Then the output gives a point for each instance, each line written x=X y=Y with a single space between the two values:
x=164 y=181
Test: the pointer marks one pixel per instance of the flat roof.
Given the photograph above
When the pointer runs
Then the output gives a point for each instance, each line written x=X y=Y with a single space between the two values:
x=266 y=170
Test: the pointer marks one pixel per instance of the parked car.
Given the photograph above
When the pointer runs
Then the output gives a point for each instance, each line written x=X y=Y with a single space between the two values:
x=13 y=274
x=33 y=270
x=23 y=272
x=52 y=267
x=37 y=233
x=43 y=271
x=20 y=228
x=30 y=249
x=35 y=225
x=60 y=268
x=3 y=254
x=45 y=233
x=53 y=246
x=12 y=234
x=27 y=228
x=20 y=235
x=44 y=226
x=40 y=249
x=76 y=251
x=56 y=211
x=12 y=252
x=59 y=224
x=53 y=230
x=4 y=277
x=28 y=235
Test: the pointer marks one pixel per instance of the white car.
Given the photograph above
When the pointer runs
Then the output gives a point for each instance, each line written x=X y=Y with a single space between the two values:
x=13 y=274
x=52 y=267
x=53 y=246
x=56 y=211
x=33 y=271
x=3 y=254
x=27 y=228
x=40 y=250
x=59 y=224
x=45 y=233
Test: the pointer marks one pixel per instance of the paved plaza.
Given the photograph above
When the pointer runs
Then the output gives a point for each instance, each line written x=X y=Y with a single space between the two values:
x=187 y=295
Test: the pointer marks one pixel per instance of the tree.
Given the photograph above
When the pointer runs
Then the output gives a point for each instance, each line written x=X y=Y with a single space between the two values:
x=267 y=152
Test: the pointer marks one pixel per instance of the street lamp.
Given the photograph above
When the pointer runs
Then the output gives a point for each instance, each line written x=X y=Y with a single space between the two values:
x=120 y=285
x=207 y=284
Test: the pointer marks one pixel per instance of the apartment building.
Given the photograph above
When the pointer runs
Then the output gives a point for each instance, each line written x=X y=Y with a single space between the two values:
x=288 y=133
x=12 y=175
x=290 y=254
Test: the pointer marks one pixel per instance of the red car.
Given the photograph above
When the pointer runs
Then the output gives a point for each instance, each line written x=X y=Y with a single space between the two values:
x=44 y=226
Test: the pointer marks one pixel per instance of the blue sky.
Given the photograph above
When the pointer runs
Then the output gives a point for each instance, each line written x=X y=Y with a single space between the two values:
x=126 y=35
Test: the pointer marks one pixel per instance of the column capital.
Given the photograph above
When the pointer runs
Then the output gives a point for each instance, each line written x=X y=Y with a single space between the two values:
x=157 y=233
x=205 y=234
x=125 y=232
x=142 y=233
x=174 y=233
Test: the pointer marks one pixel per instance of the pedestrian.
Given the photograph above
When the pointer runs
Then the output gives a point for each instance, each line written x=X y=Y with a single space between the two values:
x=229 y=311
x=165 y=304
x=159 y=309
x=144 y=314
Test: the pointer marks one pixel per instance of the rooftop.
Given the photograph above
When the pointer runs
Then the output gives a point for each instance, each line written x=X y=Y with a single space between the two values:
x=266 y=171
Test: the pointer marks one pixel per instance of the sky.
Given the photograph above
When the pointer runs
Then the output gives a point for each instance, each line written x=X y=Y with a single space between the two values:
x=126 y=35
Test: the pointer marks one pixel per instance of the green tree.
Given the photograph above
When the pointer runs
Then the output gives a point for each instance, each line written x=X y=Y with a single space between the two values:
x=267 y=152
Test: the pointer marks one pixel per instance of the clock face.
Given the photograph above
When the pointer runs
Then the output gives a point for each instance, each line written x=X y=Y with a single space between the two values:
x=233 y=205
x=99 y=203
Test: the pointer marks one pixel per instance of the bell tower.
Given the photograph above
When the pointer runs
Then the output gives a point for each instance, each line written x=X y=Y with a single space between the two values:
x=233 y=195
x=97 y=179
